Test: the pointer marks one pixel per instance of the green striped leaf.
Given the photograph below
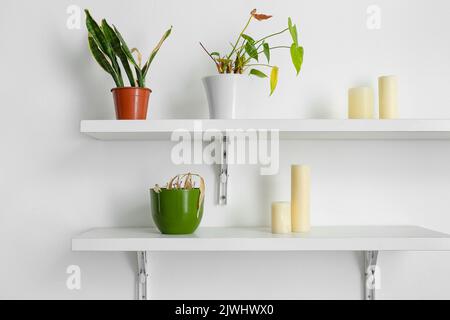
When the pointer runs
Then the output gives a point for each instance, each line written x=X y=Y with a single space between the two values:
x=103 y=44
x=125 y=48
x=127 y=52
x=114 y=40
x=99 y=56
x=96 y=33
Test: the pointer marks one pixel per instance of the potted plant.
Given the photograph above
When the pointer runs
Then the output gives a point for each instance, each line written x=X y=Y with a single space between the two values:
x=178 y=207
x=108 y=48
x=245 y=56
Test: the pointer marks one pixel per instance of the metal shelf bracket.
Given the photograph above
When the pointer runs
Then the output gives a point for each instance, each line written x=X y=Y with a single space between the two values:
x=371 y=274
x=223 y=175
x=142 y=276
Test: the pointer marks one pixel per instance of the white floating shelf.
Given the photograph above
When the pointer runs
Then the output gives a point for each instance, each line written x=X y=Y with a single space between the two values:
x=336 y=238
x=368 y=239
x=288 y=129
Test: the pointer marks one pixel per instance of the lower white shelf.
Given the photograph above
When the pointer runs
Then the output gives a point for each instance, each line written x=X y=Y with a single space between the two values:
x=368 y=239
x=336 y=238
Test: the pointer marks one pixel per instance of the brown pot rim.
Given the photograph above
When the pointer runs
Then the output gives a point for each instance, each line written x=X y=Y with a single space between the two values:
x=127 y=88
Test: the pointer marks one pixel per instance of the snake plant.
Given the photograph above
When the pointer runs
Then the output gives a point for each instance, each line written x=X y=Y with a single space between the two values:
x=108 y=47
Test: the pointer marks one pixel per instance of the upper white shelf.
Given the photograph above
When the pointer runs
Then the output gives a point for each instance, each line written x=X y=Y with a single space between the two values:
x=288 y=129
x=337 y=238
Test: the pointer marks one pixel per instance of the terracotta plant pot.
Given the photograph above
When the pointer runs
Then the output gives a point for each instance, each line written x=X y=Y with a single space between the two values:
x=131 y=102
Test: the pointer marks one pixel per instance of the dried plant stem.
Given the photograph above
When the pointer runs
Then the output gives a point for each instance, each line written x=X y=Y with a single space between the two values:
x=176 y=183
x=207 y=52
x=139 y=55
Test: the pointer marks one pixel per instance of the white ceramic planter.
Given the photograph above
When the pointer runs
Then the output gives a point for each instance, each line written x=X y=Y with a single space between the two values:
x=221 y=94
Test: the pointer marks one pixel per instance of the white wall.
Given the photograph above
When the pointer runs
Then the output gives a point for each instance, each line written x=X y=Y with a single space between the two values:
x=55 y=182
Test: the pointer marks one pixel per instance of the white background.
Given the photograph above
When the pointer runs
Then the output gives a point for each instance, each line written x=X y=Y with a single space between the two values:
x=56 y=183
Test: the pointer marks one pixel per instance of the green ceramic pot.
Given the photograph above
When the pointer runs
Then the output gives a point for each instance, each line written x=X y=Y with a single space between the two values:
x=176 y=211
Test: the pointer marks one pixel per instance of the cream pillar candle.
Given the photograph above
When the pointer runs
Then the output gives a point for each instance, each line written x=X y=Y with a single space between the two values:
x=387 y=92
x=300 y=190
x=360 y=103
x=281 y=217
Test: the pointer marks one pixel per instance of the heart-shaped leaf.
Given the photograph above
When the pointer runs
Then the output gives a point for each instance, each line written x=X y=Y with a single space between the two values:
x=273 y=79
x=297 y=57
x=258 y=73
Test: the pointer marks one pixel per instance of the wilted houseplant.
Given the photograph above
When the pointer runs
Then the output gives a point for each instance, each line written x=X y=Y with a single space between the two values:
x=108 y=48
x=177 y=208
x=247 y=54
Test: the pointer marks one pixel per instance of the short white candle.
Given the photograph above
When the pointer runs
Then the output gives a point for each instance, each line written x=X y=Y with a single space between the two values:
x=281 y=217
x=360 y=103
x=387 y=93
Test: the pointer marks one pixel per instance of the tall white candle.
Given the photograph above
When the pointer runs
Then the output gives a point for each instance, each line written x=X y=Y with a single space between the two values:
x=281 y=217
x=388 y=92
x=300 y=194
x=360 y=103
